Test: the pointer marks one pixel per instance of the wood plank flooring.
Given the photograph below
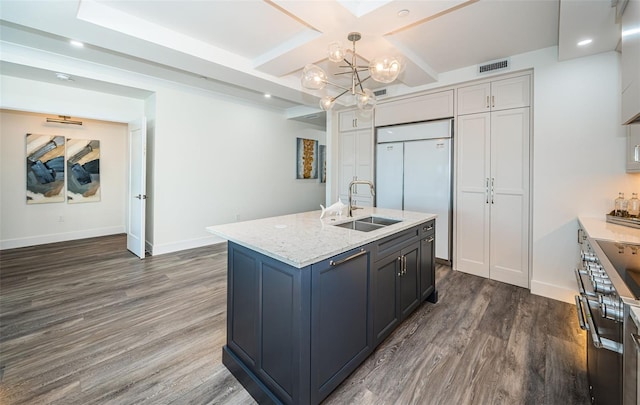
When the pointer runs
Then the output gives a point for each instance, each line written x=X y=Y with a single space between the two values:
x=86 y=322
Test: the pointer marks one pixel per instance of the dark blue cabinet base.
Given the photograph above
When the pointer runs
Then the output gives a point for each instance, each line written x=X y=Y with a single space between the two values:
x=294 y=334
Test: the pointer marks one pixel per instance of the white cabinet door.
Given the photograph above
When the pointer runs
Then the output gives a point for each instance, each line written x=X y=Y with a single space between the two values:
x=510 y=93
x=352 y=120
x=356 y=156
x=389 y=175
x=364 y=163
x=347 y=162
x=633 y=148
x=474 y=99
x=509 y=195
x=630 y=61
x=413 y=109
x=492 y=212
x=473 y=205
x=494 y=96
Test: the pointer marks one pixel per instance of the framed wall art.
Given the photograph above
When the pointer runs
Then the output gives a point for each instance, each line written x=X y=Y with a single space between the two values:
x=45 y=168
x=307 y=159
x=83 y=168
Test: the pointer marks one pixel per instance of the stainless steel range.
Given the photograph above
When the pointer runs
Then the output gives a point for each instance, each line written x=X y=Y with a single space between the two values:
x=609 y=281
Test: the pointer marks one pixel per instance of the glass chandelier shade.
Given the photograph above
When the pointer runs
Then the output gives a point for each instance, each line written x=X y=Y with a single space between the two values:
x=336 y=52
x=326 y=103
x=366 y=100
x=383 y=70
x=314 y=77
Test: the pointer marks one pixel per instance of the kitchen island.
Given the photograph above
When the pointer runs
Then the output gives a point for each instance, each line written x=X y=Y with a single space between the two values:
x=308 y=299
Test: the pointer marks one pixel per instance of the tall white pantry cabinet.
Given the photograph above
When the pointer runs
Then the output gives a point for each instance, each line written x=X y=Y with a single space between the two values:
x=355 y=140
x=493 y=180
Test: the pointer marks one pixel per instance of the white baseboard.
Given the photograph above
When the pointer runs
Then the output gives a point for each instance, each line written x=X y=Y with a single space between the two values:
x=553 y=291
x=59 y=237
x=156 y=249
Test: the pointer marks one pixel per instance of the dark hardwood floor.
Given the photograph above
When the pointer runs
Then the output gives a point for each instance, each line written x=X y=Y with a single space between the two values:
x=86 y=322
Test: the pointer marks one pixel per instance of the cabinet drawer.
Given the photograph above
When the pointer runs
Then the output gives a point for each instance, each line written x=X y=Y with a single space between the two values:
x=428 y=228
x=394 y=242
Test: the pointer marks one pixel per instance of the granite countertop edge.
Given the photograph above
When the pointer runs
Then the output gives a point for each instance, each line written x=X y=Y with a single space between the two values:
x=599 y=228
x=302 y=239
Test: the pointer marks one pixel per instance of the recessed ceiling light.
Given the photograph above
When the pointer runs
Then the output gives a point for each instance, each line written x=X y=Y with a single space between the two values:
x=585 y=42
x=64 y=77
x=267 y=95
x=403 y=13
x=77 y=44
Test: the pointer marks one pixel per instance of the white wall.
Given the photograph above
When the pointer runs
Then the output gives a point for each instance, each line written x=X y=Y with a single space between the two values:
x=24 y=225
x=212 y=159
x=579 y=161
x=218 y=160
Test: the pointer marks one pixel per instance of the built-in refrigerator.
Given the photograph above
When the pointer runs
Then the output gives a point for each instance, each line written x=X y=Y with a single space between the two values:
x=413 y=172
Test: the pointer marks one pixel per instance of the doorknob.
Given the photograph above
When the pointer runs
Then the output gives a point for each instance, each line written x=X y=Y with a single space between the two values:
x=141 y=197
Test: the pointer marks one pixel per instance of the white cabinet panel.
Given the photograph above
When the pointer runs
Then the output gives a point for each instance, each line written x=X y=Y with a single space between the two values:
x=630 y=62
x=389 y=176
x=510 y=196
x=472 y=211
x=356 y=156
x=474 y=99
x=493 y=195
x=633 y=148
x=493 y=96
x=414 y=109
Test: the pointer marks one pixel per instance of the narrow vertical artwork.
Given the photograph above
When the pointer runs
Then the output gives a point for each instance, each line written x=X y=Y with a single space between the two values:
x=45 y=169
x=307 y=159
x=83 y=168
x=323 y=163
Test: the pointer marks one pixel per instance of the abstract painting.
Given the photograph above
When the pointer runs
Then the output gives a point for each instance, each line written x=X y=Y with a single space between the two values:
x=83 y=168
x=323 y=163
x=45 y=168
x=307 y=159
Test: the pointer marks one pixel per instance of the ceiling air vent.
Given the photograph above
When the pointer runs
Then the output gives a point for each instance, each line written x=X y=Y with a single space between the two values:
x=381 y=92
x=494 y=66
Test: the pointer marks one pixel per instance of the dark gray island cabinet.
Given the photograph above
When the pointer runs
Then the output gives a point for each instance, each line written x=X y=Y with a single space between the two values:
x=295 y=333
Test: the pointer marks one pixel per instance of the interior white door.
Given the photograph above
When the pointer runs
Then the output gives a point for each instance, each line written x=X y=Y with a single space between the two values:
x=137 y=187
x=473 y=199
x=509 y=256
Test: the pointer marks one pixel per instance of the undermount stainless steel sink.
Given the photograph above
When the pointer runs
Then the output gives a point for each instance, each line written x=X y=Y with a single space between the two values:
x=379 y=220
x=368 y=224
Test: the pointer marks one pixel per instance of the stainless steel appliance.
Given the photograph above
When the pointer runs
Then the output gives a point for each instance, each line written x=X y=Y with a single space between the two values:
x=608 y=281
x=413 y=172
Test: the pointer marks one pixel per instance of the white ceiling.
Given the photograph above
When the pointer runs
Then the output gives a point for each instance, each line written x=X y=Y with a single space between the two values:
x=251 y=47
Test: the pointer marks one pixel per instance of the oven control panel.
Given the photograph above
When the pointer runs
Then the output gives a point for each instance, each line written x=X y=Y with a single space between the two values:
x=594 y=284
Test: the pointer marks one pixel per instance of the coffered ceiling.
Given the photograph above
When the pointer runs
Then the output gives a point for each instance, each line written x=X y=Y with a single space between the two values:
x=250 y=47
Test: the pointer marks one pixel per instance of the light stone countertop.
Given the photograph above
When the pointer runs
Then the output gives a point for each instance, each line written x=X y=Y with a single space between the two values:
x=599 y=228
x=303 y=239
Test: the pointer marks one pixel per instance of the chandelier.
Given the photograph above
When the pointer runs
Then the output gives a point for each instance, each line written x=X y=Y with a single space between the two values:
x=383 y=70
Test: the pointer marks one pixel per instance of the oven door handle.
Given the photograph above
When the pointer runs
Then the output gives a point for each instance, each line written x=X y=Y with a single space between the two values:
x=579 y=281
x=583 y=326
x=636 y=340
x=598 y=342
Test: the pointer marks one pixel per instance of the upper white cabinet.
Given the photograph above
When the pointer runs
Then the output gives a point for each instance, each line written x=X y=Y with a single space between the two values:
x=414 y=109
x=352 y=120
x=493 y=96
x=630 y=62
x=633 y=148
